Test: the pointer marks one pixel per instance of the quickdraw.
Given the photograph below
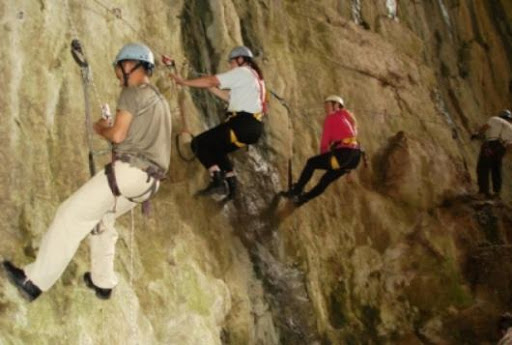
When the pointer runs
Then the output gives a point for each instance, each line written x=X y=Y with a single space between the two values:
x=171 y=65
x=79 y=57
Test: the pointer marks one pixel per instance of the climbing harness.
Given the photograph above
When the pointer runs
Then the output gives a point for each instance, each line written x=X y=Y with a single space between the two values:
x=262 y=90
x=232 y=134
x=153 y=171
x=346 y=142
x=335 y=163
x=231 y=114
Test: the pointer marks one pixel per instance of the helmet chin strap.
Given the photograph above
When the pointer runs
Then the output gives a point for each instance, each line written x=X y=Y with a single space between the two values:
x=126 y=75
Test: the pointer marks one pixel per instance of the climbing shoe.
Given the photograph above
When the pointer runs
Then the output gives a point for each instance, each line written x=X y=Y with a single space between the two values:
x=232 y=183
x=100 y=293
x=18 y=278
x=496 y=196
x=217 y=185
x=299 y=200
x=292 y=192
x=482 y=196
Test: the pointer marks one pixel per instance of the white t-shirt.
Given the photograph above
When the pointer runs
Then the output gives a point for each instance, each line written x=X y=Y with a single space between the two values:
x=499 y=129
x=247 y=90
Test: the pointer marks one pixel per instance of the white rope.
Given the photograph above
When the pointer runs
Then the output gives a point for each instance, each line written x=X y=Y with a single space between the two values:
x=133 y=320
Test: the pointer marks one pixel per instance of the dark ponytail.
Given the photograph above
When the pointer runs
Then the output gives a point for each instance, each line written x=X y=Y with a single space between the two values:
x=254 y=66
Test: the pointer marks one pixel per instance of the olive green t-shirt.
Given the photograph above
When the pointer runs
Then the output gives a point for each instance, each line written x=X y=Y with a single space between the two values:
x=149 y=135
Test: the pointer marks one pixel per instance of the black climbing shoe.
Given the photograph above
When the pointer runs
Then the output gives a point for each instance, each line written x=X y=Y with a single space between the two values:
x=299 y=200
x=18 y=278
x=232 y=183
x=292 y=192
x=217 y=185
x=496 y=196
x=482 y=196
x=100 y=293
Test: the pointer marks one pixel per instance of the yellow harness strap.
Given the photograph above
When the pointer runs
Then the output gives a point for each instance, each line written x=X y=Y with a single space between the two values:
x=232 y=134
x=234 y=139
x=335 y=165
x=231 y=114
x=350 y=141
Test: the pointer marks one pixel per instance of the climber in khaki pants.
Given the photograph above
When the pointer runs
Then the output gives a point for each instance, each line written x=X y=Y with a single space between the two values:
x=141 y=138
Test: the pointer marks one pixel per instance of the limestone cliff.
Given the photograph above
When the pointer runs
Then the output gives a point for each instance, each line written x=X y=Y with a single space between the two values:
x=396 y=253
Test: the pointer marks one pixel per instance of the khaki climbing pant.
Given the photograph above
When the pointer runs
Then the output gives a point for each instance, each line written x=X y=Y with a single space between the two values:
x=93 y=203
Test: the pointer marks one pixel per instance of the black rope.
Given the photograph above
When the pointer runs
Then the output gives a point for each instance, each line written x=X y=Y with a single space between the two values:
x=178 y=147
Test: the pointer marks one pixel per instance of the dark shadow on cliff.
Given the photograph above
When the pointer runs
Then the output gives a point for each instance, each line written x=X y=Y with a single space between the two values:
x=285 y=286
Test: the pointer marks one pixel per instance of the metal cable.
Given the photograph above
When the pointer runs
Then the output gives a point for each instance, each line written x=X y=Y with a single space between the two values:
x=88 y=80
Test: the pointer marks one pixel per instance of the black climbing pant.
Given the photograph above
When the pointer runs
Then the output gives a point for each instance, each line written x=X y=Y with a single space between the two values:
x=337 y=163
x=211 y=147
x=489 y=162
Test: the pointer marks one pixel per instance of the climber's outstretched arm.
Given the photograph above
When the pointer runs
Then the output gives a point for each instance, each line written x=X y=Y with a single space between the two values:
x=222 y=94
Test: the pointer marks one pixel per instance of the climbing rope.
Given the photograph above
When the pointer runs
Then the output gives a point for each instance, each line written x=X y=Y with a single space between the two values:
x=133 y=320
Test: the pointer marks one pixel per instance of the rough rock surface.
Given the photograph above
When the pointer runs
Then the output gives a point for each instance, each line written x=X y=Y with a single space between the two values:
x=396 y=253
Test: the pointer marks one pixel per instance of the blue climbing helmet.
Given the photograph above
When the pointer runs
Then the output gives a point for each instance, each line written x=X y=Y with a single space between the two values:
x=505 y=114
x=240 y=51
x=137 y=52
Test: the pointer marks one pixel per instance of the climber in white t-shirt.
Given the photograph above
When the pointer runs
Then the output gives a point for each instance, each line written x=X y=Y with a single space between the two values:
x=244 y=90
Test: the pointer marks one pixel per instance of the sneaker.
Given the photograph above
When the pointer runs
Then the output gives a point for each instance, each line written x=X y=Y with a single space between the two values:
x=100 y=292
x=217 y=185
x=18 y=278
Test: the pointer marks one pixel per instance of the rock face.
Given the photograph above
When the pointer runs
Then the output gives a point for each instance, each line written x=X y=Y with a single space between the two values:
x=396 y=253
